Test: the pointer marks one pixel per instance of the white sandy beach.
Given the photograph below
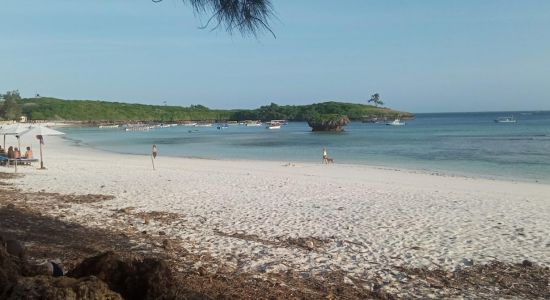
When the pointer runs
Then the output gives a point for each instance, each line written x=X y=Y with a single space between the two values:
x=370 y=218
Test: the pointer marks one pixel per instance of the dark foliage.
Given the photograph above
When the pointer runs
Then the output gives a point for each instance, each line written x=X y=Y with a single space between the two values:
x=244 y=16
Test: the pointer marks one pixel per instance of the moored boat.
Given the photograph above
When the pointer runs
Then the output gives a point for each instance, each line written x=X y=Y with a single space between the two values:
x=505 y=120
x=109 y=126
x=396 y=122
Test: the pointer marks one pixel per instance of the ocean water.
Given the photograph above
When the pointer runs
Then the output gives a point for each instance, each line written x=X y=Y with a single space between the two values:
x=470 y=144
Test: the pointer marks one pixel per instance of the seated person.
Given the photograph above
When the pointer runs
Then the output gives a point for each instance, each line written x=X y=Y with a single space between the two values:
x=2 y=151
x=16 y=153
x=28 y=153
x=11 y=153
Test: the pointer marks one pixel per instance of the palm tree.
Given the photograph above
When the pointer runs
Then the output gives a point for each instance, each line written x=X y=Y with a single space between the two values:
x=376 y=99
x=246 y=16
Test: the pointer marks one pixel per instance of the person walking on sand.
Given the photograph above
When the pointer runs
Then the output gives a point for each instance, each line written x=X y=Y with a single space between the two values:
x=325 y=155
x=154 y=153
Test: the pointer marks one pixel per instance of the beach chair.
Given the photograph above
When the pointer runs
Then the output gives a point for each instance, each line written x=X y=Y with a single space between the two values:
x=26 y=161
x=3 y=160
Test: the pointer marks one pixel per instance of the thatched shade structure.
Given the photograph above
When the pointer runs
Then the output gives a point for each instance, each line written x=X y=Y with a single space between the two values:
x=328 y=122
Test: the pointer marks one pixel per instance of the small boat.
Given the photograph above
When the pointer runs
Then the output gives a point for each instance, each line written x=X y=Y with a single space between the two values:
x=273 y=126
x=138 y=128
x=222 y=126
x=396 y=122
x=203 y=125
x=280 y=122
x=254 y=124
x=505 y=120
x=370 y=120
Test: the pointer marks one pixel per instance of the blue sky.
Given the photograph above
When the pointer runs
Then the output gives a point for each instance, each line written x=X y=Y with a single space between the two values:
x=421 y=56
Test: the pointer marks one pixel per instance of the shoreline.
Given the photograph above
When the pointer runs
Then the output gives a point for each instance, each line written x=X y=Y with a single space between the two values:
x=263 y=217
x=444 y=173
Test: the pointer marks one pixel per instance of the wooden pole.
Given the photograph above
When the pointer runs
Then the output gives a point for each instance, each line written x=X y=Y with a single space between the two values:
x=18 y=144
x=41 y=159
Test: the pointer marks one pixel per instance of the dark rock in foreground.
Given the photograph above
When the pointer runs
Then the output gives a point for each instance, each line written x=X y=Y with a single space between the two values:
x=44 y=287
x=133 y=279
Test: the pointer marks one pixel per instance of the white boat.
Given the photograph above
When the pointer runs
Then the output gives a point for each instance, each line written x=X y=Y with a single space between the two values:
x=273 y=127
x=254 y=124
x=281 y=122
x=189 y=124
x=203 y=125
x=396 y=122
x=506 y=120
x=138 y=128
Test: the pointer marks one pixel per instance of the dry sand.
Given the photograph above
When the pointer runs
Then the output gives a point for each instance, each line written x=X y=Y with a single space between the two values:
x=268 y=217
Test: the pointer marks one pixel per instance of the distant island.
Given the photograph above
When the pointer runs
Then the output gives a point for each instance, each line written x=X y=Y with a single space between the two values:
x=325 y=116
x=92 y=111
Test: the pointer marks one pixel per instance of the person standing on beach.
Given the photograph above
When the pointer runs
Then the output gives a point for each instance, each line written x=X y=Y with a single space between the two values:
x=154 y=153
x=325 y=155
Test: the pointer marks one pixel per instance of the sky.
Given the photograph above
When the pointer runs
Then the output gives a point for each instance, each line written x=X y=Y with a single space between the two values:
x=420 y=56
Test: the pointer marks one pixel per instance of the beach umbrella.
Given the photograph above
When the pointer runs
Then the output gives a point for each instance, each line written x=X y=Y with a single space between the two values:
x=14 y=129
x=17 y=130
x=40 y=132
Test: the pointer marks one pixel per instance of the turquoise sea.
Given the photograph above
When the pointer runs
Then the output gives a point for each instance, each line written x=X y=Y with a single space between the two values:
x=470 y=144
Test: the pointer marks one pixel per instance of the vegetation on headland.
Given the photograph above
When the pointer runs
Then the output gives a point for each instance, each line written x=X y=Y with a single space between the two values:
x=45 y=108
x=354 y=111
x=99 y=111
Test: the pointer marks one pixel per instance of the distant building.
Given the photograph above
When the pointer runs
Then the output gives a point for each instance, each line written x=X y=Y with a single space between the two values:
x=23 y=119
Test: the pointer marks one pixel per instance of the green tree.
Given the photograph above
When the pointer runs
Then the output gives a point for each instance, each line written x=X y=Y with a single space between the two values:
x=375 y=99
x=11 y=110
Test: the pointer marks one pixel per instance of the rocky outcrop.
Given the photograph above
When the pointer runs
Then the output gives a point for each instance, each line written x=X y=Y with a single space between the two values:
x=328 y=122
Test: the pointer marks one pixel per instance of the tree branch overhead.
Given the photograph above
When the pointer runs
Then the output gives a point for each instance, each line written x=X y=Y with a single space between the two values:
x=249 y=17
